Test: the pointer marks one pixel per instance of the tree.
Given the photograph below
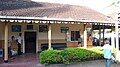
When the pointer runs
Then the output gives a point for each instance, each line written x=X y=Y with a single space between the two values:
x=115 y=3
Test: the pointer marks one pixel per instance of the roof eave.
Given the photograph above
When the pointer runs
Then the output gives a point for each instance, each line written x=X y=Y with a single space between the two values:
x=52 y=19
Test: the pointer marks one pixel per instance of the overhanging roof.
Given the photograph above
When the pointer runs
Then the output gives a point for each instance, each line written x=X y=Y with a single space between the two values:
x=38 y=19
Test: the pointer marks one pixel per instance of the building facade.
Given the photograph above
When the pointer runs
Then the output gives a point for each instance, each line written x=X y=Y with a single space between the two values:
x=56 y=25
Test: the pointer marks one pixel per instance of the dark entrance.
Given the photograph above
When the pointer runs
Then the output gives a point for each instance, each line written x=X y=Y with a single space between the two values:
x=30 y=42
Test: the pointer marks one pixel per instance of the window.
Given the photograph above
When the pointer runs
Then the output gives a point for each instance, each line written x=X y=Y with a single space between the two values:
x=75 y=35
x=29 y=27
x=64 y=29
x=16 y=28
x=43 y=28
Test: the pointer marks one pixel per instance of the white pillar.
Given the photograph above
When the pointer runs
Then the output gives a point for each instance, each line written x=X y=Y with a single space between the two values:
x=49 y=36
x=6 y=43
x=85 y=37
x=23 y=42
x=117 y=41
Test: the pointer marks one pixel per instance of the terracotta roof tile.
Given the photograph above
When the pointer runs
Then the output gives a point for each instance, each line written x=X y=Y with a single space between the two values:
x=51 y=10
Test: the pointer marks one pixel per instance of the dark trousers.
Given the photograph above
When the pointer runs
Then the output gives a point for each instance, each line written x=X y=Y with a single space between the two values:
x=9 y=52
x=94 y=43
x=19 y=49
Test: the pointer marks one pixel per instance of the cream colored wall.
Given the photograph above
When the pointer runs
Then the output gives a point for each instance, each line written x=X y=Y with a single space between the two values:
x=14 y=33
x=57 y=36
x=56 y=32
x=1 y=34
x=2 y=30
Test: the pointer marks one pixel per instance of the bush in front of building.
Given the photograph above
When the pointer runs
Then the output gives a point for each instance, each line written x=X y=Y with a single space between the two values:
x=50 y=56
x=69 y=55
x=80 y=54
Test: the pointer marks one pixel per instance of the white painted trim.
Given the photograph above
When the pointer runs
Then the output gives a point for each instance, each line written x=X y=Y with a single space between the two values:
x=3 y=18
x=36 y=39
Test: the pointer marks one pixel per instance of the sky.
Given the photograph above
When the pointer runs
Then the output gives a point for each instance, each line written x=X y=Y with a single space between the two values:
x=98 y=5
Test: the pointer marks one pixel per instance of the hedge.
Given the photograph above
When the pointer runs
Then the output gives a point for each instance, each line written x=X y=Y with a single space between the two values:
x=69 y=55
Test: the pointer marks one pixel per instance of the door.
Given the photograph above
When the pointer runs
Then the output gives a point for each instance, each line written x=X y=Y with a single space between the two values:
x=30 y=42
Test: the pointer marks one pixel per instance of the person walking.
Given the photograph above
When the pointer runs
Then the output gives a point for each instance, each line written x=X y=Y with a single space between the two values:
x=19 y=39
x=108 y=53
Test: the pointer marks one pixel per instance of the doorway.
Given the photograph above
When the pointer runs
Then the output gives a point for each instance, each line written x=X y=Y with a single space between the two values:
x=30 y=41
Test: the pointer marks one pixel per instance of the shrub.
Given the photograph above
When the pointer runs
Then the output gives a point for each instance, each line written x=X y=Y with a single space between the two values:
x=69 y=55
x=80 y=54
x=50 y=56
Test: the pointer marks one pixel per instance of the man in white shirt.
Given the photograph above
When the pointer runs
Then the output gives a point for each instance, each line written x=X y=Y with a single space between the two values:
x=19 y=39
x=108 y=53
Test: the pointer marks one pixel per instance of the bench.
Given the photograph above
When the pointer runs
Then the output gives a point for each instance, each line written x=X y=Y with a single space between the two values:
x=56 y=46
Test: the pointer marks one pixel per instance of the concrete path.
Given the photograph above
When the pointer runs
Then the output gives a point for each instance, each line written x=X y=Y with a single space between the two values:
x=26 y=60
x=32 y=60
x=95 y=63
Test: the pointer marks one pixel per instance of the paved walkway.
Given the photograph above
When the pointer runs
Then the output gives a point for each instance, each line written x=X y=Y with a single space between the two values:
x=27 y=60
x=32 y=60
x=95 y=63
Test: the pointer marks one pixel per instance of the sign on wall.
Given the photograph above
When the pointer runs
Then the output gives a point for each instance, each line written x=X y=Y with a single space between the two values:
x=16 y=28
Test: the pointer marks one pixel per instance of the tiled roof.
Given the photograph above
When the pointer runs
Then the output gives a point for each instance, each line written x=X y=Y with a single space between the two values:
x=50 y=10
